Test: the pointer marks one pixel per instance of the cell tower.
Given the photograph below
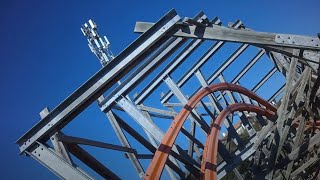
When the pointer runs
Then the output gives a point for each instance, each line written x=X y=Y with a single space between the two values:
x=100 y=47
x=270 y=128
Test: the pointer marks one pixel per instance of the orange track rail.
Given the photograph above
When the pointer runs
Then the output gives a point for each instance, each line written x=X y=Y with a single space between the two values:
x=158 y=162
x=209 y=162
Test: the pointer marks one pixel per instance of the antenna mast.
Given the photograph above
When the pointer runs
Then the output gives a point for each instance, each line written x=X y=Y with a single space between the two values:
x=100 y=47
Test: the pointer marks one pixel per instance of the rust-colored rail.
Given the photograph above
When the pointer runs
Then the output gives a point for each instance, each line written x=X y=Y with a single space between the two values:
x=158 y=162
x=308 y=126
x=209 y=162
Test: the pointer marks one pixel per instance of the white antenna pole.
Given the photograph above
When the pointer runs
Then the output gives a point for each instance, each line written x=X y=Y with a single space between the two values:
x=100 y=47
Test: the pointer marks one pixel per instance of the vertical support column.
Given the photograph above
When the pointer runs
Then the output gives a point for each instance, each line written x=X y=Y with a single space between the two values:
x=58 y=146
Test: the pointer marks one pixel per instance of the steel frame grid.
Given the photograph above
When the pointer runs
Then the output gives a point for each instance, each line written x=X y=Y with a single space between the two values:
x=163 y=38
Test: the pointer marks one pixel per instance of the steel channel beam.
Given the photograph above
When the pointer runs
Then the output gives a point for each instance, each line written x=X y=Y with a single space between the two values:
x=277 y=93
x=154 y=143
x=210 y=113
x=153 y=112
x=156 y=110
x=102 y=80
x=56 y=164
x=194 y=118
x=143 y=121
x=151 y=147
x=175 y=63
x=214 y=102
x=182 y=98
x=91 y=162
x=240 y=36
x=180 y=104
x=179 y=59
x=191 y=137
x=144 y=156
x=143 y=71
x=124 y=141
x=246 y=69
x=210 y=52
x=226 y=64
x=76 y=140
x=264 y=79
x=248 y=66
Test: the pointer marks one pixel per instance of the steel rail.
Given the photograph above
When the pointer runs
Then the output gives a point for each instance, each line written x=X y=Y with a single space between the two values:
x=209 y=163
x=158 y=162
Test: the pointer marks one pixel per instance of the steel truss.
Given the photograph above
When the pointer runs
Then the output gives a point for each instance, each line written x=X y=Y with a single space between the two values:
x=279 y=139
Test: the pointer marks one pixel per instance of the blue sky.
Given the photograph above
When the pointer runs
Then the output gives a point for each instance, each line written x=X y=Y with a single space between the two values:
x=44 y=58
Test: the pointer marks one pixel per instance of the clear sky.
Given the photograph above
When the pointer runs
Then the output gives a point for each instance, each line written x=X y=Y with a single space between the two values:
x=44 y=58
